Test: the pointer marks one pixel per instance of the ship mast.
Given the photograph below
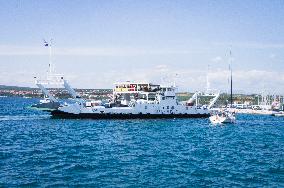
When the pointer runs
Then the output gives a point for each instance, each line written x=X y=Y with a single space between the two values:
x=50 y=66
x=231 y=78
x=207 y=80
x=50 y=62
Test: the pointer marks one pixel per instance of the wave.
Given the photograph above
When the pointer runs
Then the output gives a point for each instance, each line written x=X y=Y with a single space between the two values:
x=23 y=117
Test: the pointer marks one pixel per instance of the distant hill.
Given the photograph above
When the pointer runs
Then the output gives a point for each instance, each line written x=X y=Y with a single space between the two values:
x=19 y=88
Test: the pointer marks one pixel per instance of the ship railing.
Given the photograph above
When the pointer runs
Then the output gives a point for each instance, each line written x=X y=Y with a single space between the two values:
x=50 y=82
x=124 y=89
x=134 y=90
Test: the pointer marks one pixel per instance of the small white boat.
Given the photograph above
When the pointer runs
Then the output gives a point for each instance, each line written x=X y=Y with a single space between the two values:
x=223 y=117
x=280 y=114
x=226 y=116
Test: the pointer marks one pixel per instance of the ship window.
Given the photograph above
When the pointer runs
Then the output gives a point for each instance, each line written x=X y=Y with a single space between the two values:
x=173 y=107
x=163 y=107
x=186 y=108
x=168 y=107
x=163 y=98
x=145 y=107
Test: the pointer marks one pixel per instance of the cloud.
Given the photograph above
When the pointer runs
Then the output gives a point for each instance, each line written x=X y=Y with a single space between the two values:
x=244 y=81
x=272 y=56
x=252 y=45
x=92 y=51
x=217 y=59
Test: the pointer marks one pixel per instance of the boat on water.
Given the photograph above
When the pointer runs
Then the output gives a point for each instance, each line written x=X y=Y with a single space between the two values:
x=129 y=100
x=132 y=100
x=223 y=117
x=278 y=114
x=228 y=115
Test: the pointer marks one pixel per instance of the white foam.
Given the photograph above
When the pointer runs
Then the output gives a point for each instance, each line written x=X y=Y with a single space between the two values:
x=23 y=117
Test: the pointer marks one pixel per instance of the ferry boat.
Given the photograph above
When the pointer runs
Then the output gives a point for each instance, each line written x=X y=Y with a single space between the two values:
x=129 y=100
x=132 y=100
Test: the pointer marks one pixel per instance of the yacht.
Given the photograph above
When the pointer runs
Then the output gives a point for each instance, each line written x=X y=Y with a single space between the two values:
x=228 y=115
x=223 y=117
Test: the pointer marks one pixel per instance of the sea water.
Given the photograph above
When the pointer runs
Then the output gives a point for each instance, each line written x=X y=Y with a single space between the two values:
x=36 y=150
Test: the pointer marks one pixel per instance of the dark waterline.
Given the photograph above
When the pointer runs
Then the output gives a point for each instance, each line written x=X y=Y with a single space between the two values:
x=39 y=151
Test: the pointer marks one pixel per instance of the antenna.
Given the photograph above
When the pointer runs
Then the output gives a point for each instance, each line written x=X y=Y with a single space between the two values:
x=50 y=65
x=207 y=79
x=175 y=78
x=51 y=68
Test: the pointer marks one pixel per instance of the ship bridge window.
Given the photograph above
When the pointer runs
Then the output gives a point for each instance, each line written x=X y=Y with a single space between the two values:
x=151 y=97
x=142 y=96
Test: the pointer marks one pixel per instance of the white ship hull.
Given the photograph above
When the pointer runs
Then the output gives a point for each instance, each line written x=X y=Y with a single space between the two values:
x=140 y=111
x=216 y=119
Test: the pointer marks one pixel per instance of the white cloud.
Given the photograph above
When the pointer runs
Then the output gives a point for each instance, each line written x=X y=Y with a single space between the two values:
x=217 y=59
x=272 y=56
x=245 y=81
x=253 y=45
x=92 y=51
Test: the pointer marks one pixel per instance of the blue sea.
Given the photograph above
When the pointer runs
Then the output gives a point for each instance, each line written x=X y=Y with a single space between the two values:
x=38 y=151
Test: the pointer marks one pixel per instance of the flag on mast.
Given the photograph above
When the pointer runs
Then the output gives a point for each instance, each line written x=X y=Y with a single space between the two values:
x=45 y=43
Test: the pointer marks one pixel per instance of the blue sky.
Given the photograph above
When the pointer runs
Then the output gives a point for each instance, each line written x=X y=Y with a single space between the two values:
x=97 y=43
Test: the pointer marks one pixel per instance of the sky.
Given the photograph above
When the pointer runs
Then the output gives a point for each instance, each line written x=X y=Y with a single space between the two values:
x=99 y=42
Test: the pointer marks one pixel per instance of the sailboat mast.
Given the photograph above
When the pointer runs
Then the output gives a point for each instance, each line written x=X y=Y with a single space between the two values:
x=207 y=80
x=231 y=84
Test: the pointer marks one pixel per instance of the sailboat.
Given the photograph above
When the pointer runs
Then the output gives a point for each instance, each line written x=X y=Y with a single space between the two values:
x=227 y=115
